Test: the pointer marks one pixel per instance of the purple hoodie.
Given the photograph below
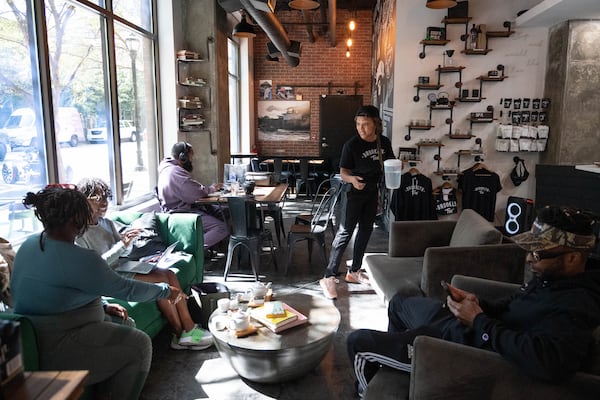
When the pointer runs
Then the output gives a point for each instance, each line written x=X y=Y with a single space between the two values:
x=177 y=190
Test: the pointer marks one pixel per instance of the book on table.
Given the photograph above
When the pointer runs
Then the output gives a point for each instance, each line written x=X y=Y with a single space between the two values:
x=292 y=318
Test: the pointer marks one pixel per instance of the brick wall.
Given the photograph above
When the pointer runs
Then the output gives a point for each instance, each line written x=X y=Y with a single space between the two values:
x=320 y=64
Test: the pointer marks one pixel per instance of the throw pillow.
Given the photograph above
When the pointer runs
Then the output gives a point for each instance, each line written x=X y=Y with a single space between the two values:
x=473 y=230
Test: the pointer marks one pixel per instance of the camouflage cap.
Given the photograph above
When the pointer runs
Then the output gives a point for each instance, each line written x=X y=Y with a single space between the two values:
x=543 y=237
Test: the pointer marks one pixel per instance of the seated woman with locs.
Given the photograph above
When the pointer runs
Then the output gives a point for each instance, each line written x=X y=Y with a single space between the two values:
x=103 y=237
x=58 y=285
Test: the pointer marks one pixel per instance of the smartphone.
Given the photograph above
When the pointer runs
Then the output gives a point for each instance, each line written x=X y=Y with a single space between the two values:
x=447 y=290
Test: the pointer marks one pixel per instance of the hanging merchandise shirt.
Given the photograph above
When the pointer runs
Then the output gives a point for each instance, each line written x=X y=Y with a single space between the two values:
x=479 y=188
x=446 y=202
x=413 y=201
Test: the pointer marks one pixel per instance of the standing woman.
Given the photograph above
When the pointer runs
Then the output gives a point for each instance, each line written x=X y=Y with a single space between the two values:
x=58 y=286
x=361 y=168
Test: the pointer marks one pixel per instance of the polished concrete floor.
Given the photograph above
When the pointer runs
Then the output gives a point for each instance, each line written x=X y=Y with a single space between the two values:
x=185 y=375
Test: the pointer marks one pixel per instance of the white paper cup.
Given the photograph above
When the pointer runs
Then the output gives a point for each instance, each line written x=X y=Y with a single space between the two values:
x=223 y=305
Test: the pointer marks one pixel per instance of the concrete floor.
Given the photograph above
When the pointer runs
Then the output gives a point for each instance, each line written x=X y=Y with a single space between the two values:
x=185 y=375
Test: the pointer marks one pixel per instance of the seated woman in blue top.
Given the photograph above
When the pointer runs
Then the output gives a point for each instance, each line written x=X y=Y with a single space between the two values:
x=58 y=285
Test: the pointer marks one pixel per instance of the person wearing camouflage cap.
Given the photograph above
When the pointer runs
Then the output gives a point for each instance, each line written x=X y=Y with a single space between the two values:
x=562 y=234
x=545 y=328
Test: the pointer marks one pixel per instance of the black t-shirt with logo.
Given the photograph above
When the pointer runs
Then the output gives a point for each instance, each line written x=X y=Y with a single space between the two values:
x=479 y=189
x=446 y=205
x=362 y=159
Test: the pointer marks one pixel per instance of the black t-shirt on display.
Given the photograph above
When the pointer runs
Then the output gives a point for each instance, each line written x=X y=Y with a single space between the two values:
x=479 y=189
x=362 y=159
x=446 y=204
x=413 y=200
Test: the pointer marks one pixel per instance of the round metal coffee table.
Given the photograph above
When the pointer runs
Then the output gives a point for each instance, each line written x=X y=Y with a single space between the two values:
x=268 y=357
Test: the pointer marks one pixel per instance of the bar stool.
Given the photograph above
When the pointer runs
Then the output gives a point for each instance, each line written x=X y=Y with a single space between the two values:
x=247 y=232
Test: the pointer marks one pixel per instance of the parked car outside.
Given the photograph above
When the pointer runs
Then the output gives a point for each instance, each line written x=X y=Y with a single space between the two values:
x=127 y=131
x=21 y=127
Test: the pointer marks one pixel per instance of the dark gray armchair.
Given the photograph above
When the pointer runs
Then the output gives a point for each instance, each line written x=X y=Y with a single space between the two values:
x=422 y=253
x=446 y=370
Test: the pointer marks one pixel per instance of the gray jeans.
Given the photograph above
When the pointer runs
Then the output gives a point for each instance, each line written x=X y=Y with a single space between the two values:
x=118 y=357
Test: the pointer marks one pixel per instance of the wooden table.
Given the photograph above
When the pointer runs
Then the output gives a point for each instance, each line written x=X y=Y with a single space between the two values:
x=269 y=357
x=55 y=385
x=262 y=194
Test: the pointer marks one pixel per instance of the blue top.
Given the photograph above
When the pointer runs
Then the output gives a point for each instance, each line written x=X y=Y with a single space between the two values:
x=65 y=277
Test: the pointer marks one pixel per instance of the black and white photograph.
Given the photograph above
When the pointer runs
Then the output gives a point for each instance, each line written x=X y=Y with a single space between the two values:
x=283 y=120
x=266 y=89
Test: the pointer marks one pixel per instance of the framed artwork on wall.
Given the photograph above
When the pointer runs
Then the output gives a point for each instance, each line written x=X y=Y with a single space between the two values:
x=285 y=92
x=283 y=120
x=266 y=89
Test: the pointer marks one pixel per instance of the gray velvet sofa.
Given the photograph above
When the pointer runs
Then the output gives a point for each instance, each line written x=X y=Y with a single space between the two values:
x=422 y=253
x=446 y=370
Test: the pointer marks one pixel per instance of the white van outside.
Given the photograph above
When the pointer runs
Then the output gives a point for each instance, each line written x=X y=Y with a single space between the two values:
x=22 y=132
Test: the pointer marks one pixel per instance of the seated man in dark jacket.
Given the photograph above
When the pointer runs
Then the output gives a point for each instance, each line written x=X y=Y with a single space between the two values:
x=545 y=328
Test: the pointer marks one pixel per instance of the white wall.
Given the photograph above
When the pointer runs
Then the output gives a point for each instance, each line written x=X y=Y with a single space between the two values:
x=524 y=56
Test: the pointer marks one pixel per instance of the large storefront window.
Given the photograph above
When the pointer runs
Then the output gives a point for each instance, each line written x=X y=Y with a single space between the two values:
x=84 y=108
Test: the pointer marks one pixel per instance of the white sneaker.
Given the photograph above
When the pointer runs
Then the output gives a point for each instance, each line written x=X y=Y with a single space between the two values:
x=176 y=346
x=196 y=337
x=328 y=286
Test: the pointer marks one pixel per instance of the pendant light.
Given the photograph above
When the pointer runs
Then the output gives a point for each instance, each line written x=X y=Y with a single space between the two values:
x=303 y=4
x=244 y=29
x=439 y=4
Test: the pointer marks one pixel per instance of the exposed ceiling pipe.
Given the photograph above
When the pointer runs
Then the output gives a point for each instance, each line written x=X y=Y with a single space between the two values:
x=332 y=21
x=323 y=15
x=273 y=29
x=309 y=28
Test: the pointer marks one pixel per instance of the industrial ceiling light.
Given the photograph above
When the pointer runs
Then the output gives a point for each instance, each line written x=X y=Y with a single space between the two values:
x=304 y=4
x=244 y=29
x=439 y=4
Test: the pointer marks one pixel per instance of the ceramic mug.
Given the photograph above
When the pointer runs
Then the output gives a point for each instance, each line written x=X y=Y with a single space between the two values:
x=239 y=321
x=223 y=305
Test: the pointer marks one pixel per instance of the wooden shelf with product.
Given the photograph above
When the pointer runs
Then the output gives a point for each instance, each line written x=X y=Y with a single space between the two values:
x=460 y=136
x=195 y=96
x=425 y=86
x=413 y=127
x=429 y=42
x=470 y=99
x=476 y=52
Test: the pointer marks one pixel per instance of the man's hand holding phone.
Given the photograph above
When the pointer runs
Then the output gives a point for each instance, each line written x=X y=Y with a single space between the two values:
x=454 y=293
x=464 y=305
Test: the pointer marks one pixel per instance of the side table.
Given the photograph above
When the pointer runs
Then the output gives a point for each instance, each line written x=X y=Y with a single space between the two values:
x=268 y=357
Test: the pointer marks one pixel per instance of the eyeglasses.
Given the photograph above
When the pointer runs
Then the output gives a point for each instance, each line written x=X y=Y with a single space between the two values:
x=544 y=255
x=61 y=186
x=99 y=198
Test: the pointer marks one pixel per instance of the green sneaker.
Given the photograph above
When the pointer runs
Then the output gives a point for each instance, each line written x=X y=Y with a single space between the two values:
x=196 y=337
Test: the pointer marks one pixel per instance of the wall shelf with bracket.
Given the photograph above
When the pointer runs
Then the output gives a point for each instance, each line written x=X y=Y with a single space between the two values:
x=437 y=157
x=425 y=86
x=451 y=69
x=470 y=99
x=429 y=42
x=417 y=128
x=448 y=107
x=475 y=52
x=477 y=153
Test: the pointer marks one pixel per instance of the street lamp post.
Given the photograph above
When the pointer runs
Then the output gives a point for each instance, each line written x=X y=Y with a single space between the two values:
x=133 y=44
